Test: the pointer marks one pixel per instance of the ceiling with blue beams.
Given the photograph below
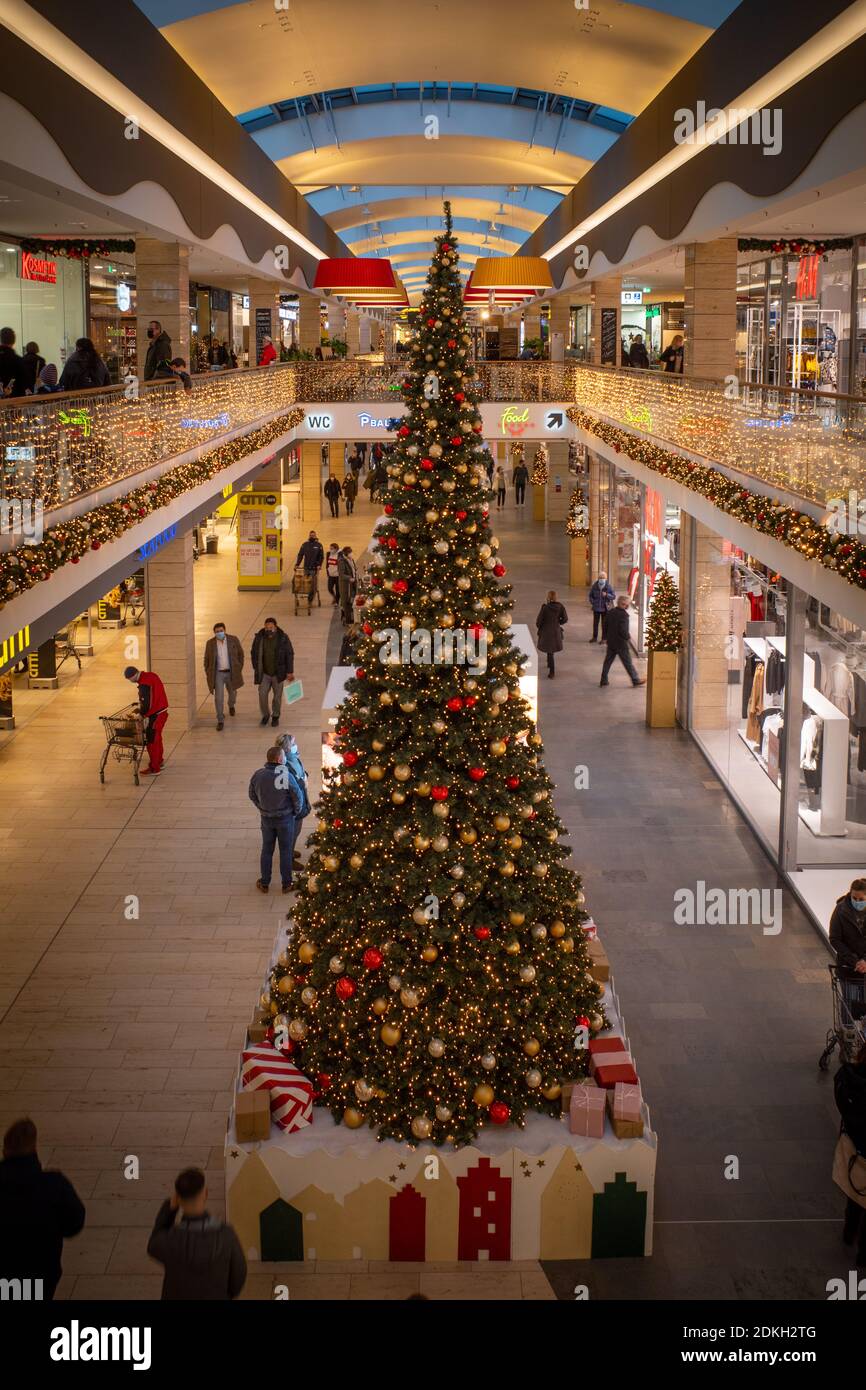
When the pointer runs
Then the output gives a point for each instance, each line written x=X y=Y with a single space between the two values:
x=510 y=99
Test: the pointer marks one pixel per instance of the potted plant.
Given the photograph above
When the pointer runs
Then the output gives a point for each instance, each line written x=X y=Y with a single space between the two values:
x=664 y=638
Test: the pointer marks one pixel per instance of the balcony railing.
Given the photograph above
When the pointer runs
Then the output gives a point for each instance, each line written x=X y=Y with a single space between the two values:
x=61 y=447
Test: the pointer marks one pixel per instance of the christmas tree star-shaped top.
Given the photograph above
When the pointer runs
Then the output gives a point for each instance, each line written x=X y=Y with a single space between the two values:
x=436 y=979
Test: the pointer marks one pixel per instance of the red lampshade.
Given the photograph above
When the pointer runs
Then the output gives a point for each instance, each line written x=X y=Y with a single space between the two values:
x=360 y=281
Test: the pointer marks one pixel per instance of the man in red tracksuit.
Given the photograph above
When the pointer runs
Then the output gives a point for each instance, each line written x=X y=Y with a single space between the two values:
x=153 y=703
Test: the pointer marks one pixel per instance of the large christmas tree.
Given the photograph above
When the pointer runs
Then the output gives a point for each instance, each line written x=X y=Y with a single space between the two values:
x=436 y=978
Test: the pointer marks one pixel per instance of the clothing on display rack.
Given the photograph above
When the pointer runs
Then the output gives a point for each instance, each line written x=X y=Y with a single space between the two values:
x=749 y=666
x=811 y=747
x=756 y=704
x=774 y=679
x=758 y=605
x=839 y=688
x=772 y=722
x=816 y=658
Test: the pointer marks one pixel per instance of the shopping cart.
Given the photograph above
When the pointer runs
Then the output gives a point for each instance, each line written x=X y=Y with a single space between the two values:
x=132 y=599
x=125 y=736
x=849 y=1018
x=303 y=587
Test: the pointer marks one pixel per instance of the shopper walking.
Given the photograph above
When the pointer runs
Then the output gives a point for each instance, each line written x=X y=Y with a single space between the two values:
x=500 y=488
x=637 y=353
x=273 y=660
x=617 y=642
x=33 y=364
x=848 y=939
x=333 y=492
x=311 y=556
x=153 y=704
x=551 y=619
x=296 y=769
x=601 y=600
x=520 y=477
x=332 y=567
x=849 y=1166
x=223 y=667
x=673 y=355
x=84 y=368
x=278 y=799
x=350 y=492
x=39 y=1209
x=157 y=363
x=12 y=371
x=348 y=576
x=201 y=1255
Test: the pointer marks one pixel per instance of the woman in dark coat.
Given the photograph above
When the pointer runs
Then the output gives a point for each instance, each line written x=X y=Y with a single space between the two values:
x=551 y=619
x=84 y=369
x=850 y=1092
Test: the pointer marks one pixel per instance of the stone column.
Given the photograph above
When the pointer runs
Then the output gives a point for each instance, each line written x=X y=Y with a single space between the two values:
x=309 y=321
x=597 y=528
x=353 y=332
x=605 y=294
x=162 y=292
x=171 y=627
x=710 y=309
x=557 y=502
x=560 y=315
x=263 y=300
x=336 y=320
x=311 y=481
x=531 y=323
x=707 y=594
x=365 y=334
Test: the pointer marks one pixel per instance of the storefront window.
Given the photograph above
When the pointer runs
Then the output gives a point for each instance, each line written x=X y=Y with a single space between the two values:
x=859 y=384
x=818 y=321
x=661 y=549
x=112 y=314
x=581 y=332
x=49 y=312
x=751 y=319
x=624 y=569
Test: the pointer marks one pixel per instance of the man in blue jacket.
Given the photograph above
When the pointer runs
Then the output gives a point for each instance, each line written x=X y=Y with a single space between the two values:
x=277 y=797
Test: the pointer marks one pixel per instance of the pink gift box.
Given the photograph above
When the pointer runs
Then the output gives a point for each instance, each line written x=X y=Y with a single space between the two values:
x=586 y=1114
x=626 y=1101
x=589 y=929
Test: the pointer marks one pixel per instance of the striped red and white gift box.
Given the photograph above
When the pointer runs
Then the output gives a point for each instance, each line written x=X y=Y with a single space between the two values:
x=291 y=1093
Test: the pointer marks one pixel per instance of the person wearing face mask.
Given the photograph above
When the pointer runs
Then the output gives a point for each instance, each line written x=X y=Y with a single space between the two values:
x=297 y=770
x=273 y=664
x=848 y=939
x=157 y=363
x=223 y=666
x=275 y=793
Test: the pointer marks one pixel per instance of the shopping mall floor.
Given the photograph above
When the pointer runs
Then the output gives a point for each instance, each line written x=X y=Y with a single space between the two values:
x=121 y=1037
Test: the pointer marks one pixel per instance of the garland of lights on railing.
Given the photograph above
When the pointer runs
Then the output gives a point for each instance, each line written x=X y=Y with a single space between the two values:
x=69 y=542
x=836 y=551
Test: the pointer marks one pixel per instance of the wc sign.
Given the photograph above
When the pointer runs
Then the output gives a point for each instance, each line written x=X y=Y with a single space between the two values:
x=322 y=423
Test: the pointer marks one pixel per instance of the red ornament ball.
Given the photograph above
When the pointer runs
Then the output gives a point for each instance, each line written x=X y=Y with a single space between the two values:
x=583 y=1021
x=431 y=323
x=403 y=431
x=372 y=958
x=427 y=465
x=454 y=704
x=95 y=545
x=360 y=601
x=499 y=1113
x=476 y=629
x=452 y=342
x=323 y=1081
x=483 y=933
x=469 y=700
x=360 y=673
x=499 y=570
x=439 y=793
x=336 y=822
x=74 y=559
x=461 y=515
x=388 y=509
x=350 y=759
x=512 y=782
x=400 y=586
x=367 y=628
x=477 y=773
x=457 y=440
x=459 y=396
x=392 y=543
x=346 y=988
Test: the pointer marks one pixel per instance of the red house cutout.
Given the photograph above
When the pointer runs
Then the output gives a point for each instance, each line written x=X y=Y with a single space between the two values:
x=485 y=1214
x=407 y=1215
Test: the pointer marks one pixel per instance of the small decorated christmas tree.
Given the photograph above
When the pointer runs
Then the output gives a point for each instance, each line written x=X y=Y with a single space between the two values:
x=664 y=631
x=576 y=521
x=436 y=979
x=518 y=450
x=540 y=466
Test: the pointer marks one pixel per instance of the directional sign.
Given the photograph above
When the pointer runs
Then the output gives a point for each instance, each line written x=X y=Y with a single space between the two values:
x=554 y=420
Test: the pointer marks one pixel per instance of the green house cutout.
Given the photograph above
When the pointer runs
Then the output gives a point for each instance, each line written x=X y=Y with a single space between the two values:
x=618 y=1219
x=281 y=1232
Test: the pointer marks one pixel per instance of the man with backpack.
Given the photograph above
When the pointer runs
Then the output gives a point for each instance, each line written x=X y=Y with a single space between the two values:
x=158 y=360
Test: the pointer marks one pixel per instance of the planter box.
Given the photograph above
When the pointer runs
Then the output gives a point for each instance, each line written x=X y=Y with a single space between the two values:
x=661 y=690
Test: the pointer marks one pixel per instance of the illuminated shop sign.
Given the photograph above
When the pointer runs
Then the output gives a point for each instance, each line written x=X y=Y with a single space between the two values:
x=20 y=453
x=371 y=422
x=631 y=297
x=152 y=546
x=124 y=297
x=778 y=424
x=77 y=419
x=37 y=268
x=514 y=421
x=219 y=422
x=321 y=422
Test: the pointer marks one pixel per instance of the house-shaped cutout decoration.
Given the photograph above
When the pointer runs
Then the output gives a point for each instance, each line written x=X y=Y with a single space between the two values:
x=281 y=1232
x=618 y=1219
x=484 y=1228
x=407 y=1219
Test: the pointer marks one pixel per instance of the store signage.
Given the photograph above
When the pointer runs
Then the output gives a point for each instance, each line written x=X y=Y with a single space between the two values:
x=13 y=648
x=37 y=268
x=246 y=301
x=514 y=421
x=554 y=420
x=640 y=417
x=372 y=422
x=784 y=419
x=631 y=297
x=77 y=419
x=320 y=422
x=219 y=422
x=20 y=453
x=609 y=337
x=152 y=546
x=124 y=297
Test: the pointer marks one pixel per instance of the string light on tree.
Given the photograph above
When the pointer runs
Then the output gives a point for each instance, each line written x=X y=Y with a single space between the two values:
x=664 y=632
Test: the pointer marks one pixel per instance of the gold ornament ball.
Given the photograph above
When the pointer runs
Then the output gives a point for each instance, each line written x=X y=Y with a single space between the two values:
x=526 y=812
x=500 y=694
x=380 y=1006
x=435 y=1047
x=533 y=1079
x=408 y=706
x=385 y=698
x=363 y=1091
x=502 y=822
x=352 y=1118
x=469 y=836
x=515 y=841
x=517 y=918
x=312 y=881
x=421 y=1127
x=567 y=944
x=527 y=974
x=419 y=916
x=375 y=772
x=264 y=1001
x=286 y=985
x=283 y=958
x=439 y=726
x=595 y=1022
x=355 y=861
x=378 y=601
x=532 y=1047
x=539 y=931
x=421 y=843
x=390 y=1034
x=430 y=953
x=507 y=869
x=540 y=870
x=552 y=1092
x=398 y=797
x=409 y=998
x=308 y=995
x=443 y=1114
x=440 y=844
x=297 y=1029
x=557 y=928
x=336 y=965
x=307 y=952
x=458 y=900
x=497 y=747
x=440 y=810
x=422 y=789
x=377 y=745
x=395 y=983
x=402 y=772
x=483 y=1094
x=331 y=863
x=513 y=947
x=488 y=1061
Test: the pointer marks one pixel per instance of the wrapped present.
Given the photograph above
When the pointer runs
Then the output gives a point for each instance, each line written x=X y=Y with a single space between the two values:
x=258 y=1031
x=607 y=1074
x=599 y=965
x=586 y=1111
x=589 y=929
x=624 y=1105
x=252 y=1116
x=291 y=1094
x=600 y=1048
x=568 y=1087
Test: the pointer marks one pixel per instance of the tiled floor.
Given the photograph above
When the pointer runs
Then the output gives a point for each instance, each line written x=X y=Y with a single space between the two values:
x=120 y=1037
